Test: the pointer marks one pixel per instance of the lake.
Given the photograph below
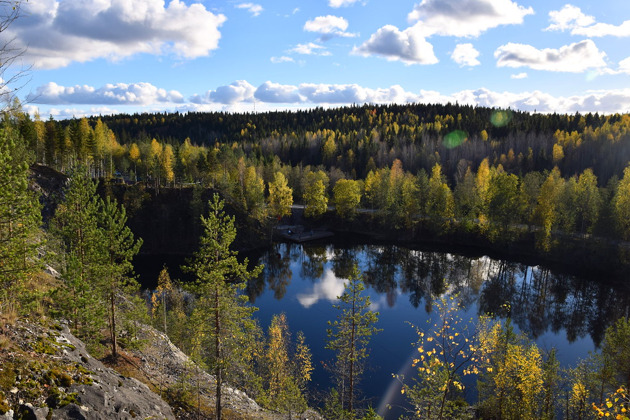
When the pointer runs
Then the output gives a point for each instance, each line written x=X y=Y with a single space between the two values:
x=566 y=312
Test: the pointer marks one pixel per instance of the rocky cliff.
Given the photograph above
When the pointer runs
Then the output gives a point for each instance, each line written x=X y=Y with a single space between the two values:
x=47 y=373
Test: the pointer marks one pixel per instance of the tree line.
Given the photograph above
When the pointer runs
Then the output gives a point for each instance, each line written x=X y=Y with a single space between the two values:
x=500 y=174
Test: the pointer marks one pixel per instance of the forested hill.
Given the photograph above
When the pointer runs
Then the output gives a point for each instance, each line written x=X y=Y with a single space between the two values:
x=456 y=136
x=499 y=174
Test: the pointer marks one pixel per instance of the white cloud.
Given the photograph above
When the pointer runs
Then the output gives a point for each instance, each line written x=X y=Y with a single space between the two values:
x=519 y=76
x=574 y=58
x=310 y=49
x=465 y=55
x=341 y=3
x=328 y=26
x=254 y=9
x=282 y=59
x=572 y=18
x=239 y=91
x=119 y=94
x=353 y=94
x=624 y=66
x=277 y=93
x=604 y=29
x=241 y=96
x=463 y=18
x=567 y=18
x=58 y=32
x=408 y=46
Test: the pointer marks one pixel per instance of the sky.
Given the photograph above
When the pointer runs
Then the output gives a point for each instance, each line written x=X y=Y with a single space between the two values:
x=97 y=57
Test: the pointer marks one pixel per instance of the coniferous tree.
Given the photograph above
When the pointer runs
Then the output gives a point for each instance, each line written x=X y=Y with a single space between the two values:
x=76 y=225
x=20 y=219
x=222 y=315
x=349 y=337
x=120 y=248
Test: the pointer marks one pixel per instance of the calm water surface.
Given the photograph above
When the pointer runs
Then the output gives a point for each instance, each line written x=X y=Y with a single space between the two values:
x=556 y=310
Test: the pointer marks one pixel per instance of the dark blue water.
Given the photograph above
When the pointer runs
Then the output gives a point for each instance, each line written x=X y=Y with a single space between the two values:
x=556 y=310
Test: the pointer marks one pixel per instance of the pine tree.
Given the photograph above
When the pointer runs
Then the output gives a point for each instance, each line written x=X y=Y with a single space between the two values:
x=75 y=223
x=120 y=248
x=20 y=219
x=349 y=337
x=222 y=315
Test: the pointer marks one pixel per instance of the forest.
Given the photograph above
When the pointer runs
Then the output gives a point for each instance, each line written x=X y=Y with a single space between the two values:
x=431 y=169
x=496 y=174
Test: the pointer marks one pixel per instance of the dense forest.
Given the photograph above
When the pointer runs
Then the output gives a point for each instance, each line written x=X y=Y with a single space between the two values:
x=497 y=174
x=417 y=169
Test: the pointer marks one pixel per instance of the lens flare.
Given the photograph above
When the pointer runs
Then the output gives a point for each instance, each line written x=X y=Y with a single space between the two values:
x=500 y=118
x=454 y=139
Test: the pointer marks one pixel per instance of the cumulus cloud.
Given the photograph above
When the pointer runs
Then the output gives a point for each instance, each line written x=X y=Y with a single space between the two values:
x=110 y=94
x=465 y=55
x=408 y=46
x=254 y=9
x=353 y=94
x=573 y=19
x=341 y=3
x=518 y=76
x=464 y=18
x=624 y=66
x=573 y=58
x=568 y=18
x=328 y=27
x=277 y=93
x=310 y=49
x=239 y=91
x=58 y=32
x=241 y=96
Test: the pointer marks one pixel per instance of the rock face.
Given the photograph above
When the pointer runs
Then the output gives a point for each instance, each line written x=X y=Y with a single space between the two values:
x=48 y=374
x=111 y=395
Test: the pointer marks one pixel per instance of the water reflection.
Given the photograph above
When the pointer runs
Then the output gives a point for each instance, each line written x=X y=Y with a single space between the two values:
x=539 y=300
x=328 y=287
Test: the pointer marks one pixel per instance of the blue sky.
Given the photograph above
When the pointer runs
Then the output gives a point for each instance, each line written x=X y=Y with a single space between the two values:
x=110 y=56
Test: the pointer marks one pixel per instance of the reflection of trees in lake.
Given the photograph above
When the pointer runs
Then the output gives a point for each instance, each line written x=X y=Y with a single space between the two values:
x=542 y=301
x=380 y=272
x=313 y=260
x=343 y=261
x=539 y=300
x=276 y=273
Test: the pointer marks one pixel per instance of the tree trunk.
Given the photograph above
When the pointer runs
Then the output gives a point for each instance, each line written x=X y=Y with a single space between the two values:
x=218 y=371
x=113 y=325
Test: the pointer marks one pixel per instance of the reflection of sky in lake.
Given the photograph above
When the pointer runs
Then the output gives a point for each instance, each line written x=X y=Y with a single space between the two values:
x=403 y=284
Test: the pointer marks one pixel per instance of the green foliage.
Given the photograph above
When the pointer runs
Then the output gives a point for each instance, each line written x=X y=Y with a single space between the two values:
x=349 y=337
x=20 y=219
x=221 y=318
x=120 y=248
x=75 y=223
